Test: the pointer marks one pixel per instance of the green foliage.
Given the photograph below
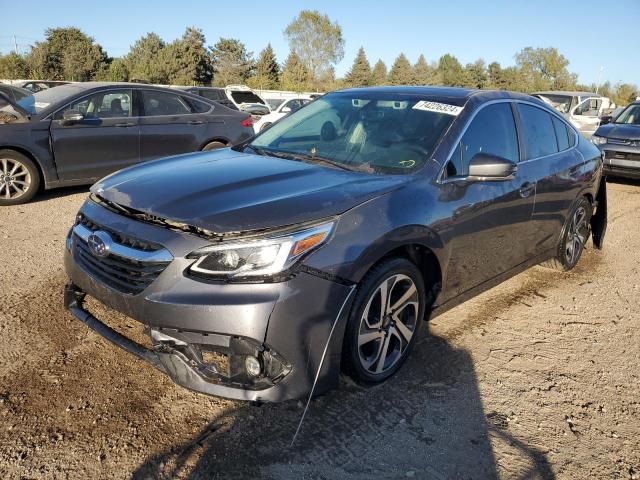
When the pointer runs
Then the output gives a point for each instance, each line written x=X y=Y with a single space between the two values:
x=475 y=75
x=143 y=60
x=424 y=73
x=545 y=69
x=66 y=53
x=118 y=71
x=360 y=73
x=624 y=93
x=186 y=60
x=450 y=71
x=267 y=75
x=379 y=74
x=295 y=75
x=402 y=72
x=232 y=63
x=13 y=66
x=316 y=41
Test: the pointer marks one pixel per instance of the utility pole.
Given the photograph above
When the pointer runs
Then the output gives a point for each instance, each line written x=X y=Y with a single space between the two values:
x=15 y=45
x=599 y=78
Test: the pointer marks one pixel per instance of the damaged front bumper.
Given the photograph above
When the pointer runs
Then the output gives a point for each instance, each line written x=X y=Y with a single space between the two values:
x=256 y=342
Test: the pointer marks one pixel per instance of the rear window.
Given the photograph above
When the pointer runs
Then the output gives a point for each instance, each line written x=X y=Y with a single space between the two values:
x=213 y=94
x=538 y=132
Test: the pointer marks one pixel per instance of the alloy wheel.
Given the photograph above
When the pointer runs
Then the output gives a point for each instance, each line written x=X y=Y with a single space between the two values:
x=576 y=236
x=15 y=178
x=388 y=323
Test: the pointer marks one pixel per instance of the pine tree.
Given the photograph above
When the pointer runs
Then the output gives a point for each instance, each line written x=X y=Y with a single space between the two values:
x=267 y=70
x=402 y=72
x=232 y=63
x=450 y=71
x=424 y=73
x=295 y=75
x=379 y=75
x=360 y=73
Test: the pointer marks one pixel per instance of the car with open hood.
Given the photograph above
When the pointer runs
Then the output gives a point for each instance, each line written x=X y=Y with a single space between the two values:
x=262 y=271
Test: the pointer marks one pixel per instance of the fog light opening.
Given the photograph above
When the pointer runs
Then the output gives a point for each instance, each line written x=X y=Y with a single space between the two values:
x=253 y=366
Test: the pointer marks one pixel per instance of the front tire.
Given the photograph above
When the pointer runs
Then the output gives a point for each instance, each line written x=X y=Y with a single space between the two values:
x=19 y=178
x=213 y=146
x=385 y=320
x=574 y=237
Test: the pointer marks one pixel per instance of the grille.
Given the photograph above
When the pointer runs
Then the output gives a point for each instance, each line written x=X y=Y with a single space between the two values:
x=624 y=156
x=122 y=274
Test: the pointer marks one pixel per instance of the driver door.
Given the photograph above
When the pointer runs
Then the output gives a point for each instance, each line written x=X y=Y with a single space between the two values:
x=105 y=140
x=586 y=115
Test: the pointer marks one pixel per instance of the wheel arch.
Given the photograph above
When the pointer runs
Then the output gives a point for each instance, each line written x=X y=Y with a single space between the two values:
x=222 y=140
x=27 y=153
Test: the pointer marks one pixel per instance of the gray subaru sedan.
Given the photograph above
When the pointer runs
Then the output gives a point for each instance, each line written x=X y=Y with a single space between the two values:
x=262 y=271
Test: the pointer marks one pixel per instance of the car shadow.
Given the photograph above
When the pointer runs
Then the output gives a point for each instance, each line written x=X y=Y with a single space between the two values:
x=427 y=421
x=46 y=195
x=623 y=180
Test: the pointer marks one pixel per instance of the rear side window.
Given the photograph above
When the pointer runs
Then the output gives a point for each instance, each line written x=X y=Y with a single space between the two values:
x=213 y=94
x=198 y=106
x=163 y=103
x=539 y=134
x=491 y=131
x=562 y=134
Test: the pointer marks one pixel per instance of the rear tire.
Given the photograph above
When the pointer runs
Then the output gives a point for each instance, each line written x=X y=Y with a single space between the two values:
x=213 y=146
x=19 y=178
x=574 y=237
x=385 y=320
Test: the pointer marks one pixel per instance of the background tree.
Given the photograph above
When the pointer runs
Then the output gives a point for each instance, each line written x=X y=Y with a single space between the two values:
x=545 y=69
x=360 y=73
x=117 y=71
x=267 y=74
x=624 y=93
x=401 y=72
x=13 y=66
x=186 y=60
x=475 y=75
x=66 y=53
x=379 y=74
x=143 y=60
x=232 y=63
x=316 y=41
x=450 y=71
x=295 y=75
x=424 y=73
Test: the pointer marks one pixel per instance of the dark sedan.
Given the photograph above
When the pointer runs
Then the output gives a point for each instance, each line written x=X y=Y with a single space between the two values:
x=75 y=134
x=620 y=142
x=322 y=244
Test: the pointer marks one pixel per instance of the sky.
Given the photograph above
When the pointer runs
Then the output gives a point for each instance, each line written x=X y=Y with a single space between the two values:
x=591 y=34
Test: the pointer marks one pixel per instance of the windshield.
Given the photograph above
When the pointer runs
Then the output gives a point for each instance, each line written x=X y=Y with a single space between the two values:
x=275 y=103
x=371 y=132
x=246 y=97
x=39 y=101
x=630 y=116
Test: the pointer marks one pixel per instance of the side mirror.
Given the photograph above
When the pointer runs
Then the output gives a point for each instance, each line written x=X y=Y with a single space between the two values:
x=606 y=119
x=286 y=109
x=484 y=166
x=69 y=117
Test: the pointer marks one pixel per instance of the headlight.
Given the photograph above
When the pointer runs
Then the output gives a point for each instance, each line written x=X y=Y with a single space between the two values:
x=596 y=140
x=259 y=257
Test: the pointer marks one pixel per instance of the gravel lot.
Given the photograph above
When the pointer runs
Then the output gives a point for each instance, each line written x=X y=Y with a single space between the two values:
x=537 y=378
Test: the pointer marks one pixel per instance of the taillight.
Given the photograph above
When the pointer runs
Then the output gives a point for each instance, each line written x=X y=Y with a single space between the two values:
x=247 y=122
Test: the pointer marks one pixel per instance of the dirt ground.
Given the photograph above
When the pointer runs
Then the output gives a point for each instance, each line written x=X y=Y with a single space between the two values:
x=537 y=378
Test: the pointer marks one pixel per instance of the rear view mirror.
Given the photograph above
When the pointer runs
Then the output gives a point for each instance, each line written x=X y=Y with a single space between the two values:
x=69 y=117
x=484 y=166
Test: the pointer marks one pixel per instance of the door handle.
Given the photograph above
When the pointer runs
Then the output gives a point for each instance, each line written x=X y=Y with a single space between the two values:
x=195 y=122
x=526 y=189
x=125 y=125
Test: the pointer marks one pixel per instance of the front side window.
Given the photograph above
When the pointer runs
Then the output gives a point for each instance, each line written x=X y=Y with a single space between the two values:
x=538 y=132
x=372 y=132
x=630 y=116
x=491 y=131
x=163 y=103
x=102 y=105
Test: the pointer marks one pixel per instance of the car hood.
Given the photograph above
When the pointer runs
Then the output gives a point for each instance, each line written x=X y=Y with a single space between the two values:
x=226 y=191
x=619 y=131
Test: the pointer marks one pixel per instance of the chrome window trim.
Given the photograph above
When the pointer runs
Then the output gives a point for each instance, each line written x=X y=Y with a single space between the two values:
x=119 y=250
x=441 y=180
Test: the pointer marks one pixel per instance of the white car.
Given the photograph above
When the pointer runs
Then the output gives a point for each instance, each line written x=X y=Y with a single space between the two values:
x=279 y=108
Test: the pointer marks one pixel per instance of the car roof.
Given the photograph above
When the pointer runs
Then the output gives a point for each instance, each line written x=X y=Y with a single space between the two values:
x=567 y=93
x=454 y=95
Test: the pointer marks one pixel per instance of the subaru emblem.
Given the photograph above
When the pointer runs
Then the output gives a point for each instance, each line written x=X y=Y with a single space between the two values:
x=99 y=243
